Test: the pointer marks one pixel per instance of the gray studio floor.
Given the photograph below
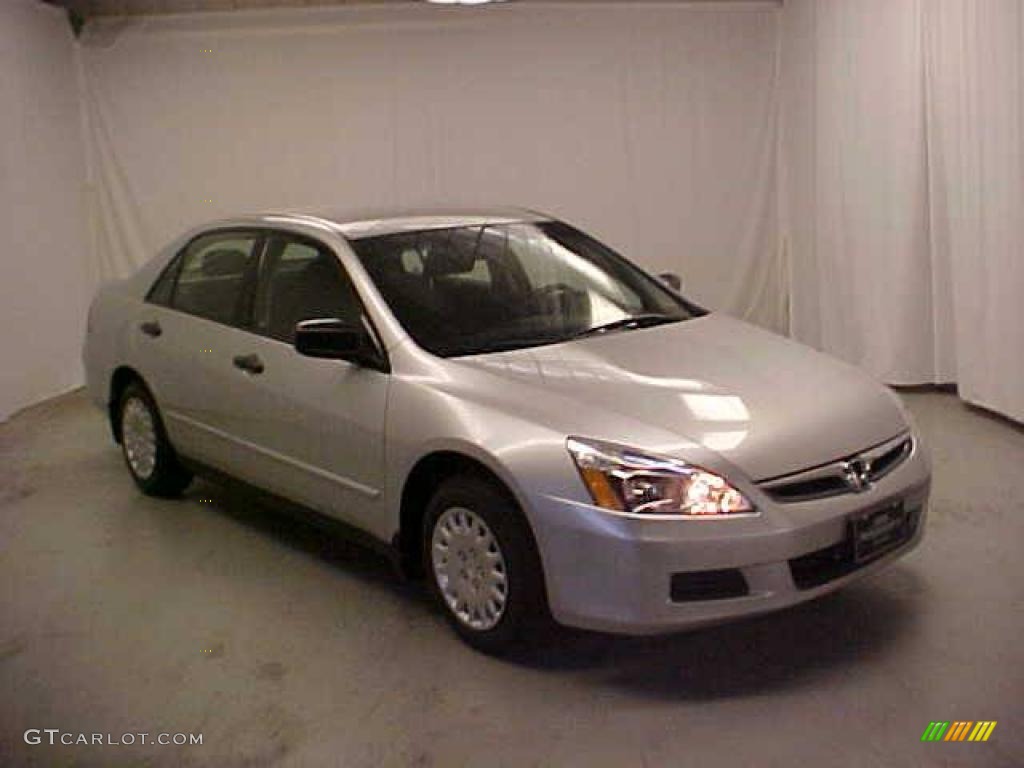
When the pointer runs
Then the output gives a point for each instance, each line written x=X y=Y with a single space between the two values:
x=120 y=613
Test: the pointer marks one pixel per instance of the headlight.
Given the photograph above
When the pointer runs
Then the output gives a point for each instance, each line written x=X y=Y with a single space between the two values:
x=626 y=480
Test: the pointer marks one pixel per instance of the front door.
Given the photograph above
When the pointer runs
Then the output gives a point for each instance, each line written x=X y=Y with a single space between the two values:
x=311 y=429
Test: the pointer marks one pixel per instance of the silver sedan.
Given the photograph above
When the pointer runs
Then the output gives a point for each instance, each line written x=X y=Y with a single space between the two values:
x=513 y=410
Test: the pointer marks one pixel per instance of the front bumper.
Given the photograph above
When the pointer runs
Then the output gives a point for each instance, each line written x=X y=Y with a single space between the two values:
x=614 y=573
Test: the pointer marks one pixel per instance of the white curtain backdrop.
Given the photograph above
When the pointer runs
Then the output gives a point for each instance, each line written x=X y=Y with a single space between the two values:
x=45 y=277
x=903 y=158
x=851 y=171
x=974 y=80
x=651 y=125
x=857 y=209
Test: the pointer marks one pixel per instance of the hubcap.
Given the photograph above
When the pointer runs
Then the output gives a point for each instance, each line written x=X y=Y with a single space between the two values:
x=469 y=568
x=138 y=436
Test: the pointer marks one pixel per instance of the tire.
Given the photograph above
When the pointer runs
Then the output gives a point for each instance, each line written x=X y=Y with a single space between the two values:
x=147 y=452
x=500 y=555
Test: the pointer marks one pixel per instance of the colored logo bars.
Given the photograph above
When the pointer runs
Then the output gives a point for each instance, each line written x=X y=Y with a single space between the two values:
x=959 y=730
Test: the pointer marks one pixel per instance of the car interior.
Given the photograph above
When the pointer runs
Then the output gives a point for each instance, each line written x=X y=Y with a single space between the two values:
x=211 y=288
x=477 y=293
x=306 y=289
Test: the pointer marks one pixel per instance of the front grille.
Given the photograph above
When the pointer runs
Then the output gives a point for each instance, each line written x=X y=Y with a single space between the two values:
x=849 y=475
x=890 y=459
x=816 y=488
x=708 y=585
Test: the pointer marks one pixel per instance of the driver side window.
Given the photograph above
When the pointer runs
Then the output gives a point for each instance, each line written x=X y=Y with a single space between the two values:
x=301 y=280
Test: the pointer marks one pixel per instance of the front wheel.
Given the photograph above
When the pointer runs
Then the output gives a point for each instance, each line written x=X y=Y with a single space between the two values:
x=147 y=452
x=483 y=565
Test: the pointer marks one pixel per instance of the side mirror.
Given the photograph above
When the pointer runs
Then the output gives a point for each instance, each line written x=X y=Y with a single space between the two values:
x=336 y=339
x=672 y=280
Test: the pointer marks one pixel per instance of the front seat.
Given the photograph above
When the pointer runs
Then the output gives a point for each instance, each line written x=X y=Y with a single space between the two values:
x=318 y=291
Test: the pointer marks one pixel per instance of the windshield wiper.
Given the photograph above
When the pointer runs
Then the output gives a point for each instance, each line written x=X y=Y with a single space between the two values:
x=631 y=322
x=513 y=343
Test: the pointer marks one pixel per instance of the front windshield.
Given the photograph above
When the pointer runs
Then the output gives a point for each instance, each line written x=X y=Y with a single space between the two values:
x=472 y=290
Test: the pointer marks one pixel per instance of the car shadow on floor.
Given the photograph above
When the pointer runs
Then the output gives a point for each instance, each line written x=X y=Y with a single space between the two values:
x=299 y=530
x=836 y=635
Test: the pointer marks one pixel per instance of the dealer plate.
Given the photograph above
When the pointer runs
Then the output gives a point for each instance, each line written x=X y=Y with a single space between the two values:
x=878 y=531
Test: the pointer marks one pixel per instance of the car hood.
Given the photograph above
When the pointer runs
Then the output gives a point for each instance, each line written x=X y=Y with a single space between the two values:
x=766 y=404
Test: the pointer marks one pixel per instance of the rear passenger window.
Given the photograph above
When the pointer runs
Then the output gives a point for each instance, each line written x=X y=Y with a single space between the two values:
x=163 y=288
x=212 y=275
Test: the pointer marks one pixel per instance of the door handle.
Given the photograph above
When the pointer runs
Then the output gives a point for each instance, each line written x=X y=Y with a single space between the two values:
x=249 y=363
x=151 y=328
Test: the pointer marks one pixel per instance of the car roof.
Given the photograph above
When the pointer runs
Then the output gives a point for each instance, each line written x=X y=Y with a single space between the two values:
x=359 y=224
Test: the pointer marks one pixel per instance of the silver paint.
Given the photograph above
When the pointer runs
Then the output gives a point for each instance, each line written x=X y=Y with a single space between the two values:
x=713 y=391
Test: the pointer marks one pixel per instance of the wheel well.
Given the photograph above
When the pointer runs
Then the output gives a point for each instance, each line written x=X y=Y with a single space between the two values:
x=425 y=478
x=122 y=377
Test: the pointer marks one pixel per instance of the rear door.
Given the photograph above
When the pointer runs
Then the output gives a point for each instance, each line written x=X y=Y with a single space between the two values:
x=191 y=320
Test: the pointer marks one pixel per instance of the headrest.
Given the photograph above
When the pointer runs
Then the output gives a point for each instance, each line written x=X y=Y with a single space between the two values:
x=447 y=262
x=224 y=262
x=322 y=267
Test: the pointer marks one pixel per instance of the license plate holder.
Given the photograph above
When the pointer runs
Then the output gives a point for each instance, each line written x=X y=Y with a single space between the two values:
x=879 y=531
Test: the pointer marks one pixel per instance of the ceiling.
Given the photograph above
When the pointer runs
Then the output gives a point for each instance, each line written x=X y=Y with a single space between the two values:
x=92 y=8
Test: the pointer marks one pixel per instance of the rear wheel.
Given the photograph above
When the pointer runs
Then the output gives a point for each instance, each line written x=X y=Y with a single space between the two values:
x=147 y=452
x=483 y=565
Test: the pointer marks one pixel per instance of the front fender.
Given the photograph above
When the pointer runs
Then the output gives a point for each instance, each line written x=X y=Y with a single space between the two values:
x=528 y=458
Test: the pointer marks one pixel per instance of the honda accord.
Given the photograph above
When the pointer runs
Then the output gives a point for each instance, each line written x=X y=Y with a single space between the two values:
x=512 y=410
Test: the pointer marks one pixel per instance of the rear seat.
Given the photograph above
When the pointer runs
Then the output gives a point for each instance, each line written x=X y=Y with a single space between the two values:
x=215 y=294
